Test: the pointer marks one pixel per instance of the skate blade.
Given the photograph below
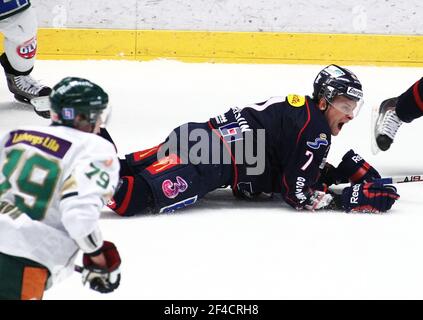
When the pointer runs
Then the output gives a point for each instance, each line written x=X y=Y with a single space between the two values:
x=374 y=147
x=41 y=104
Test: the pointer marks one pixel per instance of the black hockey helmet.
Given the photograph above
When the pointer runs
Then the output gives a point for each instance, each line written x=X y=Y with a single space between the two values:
x=335 y=81
x=73 y=97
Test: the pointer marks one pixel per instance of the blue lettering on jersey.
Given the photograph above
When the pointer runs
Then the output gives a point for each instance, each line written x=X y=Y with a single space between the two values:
x=7 y=7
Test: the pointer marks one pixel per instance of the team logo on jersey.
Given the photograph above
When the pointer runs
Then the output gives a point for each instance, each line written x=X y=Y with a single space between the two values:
x=295 y=100
x=320 y=141
x=28 y=49
x=231 y=132
x=179 y=205
x=172 y=189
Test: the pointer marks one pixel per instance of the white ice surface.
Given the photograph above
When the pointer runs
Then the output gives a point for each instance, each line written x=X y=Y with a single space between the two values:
x=226 y=249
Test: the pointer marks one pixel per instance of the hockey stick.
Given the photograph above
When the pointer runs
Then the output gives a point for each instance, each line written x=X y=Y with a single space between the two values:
x=395 y=179
x=400 y=179
x=386 y=180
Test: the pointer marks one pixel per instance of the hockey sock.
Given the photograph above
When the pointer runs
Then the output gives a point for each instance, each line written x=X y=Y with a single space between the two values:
x=9 y=69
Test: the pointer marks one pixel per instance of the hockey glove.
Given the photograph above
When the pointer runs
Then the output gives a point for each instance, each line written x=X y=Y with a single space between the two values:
x=103 y=280
x=355 y=169
x=369 y=197
x=328 y=176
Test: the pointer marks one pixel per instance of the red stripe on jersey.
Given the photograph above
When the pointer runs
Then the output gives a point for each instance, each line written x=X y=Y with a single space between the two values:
x=306 y=123
x=360 y=173
x=125 y=203
x=293 y=202
x=417 y=97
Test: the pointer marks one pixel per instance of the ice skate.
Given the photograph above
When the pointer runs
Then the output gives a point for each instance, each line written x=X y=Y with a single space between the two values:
x=387 y=124
x=25 y=88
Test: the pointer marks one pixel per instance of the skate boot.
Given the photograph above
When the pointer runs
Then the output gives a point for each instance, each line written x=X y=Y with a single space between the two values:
x=23 y=86
x=26 y=88
x=387 y=124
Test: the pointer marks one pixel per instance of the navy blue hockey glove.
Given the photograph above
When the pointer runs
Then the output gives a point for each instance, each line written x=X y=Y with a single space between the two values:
x=355 y=169
x=103 y=280
x=369 y=197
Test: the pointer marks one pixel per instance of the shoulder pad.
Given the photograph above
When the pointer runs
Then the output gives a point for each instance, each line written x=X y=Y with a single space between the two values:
x=296 y=100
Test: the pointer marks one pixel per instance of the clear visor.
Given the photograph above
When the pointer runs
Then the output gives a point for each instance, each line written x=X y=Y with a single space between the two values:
x=347 y=105
x=95 y=117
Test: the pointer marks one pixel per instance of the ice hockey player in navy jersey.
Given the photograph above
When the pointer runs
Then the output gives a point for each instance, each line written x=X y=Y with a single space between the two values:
x=18 y=23
x=277 y=146
x=394 y=111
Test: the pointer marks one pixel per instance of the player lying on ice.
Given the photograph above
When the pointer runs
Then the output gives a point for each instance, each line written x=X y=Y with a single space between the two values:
x=279 y=145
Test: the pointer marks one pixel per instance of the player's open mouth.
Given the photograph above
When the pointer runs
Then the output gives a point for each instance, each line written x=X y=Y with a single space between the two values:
x=340 y=125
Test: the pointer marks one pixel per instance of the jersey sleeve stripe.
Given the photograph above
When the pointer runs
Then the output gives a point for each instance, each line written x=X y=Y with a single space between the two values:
x=306 y=123
x=68 y=195
x=125 y=203
x=416 y=93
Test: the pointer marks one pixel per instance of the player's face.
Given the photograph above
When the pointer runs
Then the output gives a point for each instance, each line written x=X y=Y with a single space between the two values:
x=339 y=112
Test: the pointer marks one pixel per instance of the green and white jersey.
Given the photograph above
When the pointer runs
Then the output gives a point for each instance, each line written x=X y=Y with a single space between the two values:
x=59 y=178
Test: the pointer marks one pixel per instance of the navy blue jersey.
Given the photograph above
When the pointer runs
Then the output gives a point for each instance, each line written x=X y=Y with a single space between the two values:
x=288 y=159
x=297 y=140
x=11 y=7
